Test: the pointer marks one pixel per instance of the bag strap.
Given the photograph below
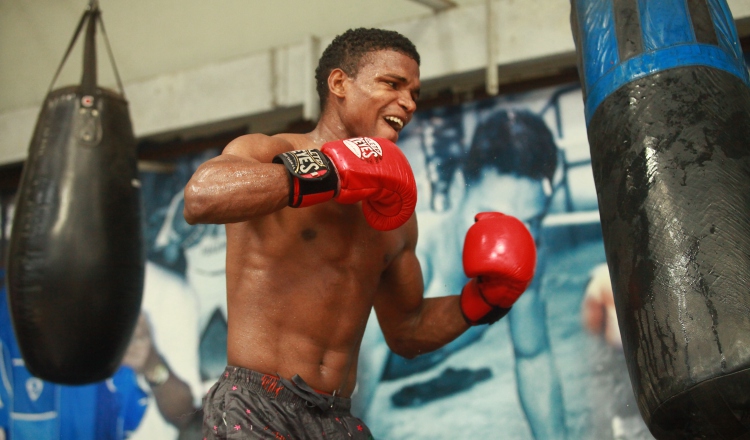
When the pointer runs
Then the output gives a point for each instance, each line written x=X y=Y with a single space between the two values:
x=111 y=57
x=70 y=48
x=88 y=79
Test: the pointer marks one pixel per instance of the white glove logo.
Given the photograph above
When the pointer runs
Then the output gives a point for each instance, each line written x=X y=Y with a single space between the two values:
x=365 y=148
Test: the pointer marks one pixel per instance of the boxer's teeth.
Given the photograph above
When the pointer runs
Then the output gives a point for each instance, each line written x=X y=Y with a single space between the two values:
x=398 y=123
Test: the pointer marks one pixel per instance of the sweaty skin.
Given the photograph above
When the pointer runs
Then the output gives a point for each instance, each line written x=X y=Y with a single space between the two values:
x=301 y=281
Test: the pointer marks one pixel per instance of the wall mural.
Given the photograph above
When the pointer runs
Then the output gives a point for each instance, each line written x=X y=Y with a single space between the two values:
x=538 y=373
x=553 y=368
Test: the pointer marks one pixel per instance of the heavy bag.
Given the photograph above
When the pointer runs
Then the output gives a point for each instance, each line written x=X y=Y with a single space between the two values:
x=76 y=255
x=667 y=107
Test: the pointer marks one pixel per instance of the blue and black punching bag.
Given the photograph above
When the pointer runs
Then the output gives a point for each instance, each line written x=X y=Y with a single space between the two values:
x=76 y=255
x=667 y=102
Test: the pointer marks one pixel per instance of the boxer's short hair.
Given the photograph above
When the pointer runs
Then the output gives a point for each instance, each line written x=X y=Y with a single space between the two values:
x=347 y=50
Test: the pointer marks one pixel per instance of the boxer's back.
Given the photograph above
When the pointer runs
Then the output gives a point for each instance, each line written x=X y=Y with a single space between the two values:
x=300 y=286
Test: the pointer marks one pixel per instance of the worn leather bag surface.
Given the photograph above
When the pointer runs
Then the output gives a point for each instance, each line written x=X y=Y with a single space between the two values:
x=76 y=255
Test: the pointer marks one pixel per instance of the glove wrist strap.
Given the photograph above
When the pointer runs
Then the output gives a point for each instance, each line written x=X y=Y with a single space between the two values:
x=313 y=178
x=475 y=309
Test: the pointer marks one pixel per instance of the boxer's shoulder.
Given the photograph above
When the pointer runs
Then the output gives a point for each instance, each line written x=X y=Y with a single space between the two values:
x=263 y=147
x=293 y=141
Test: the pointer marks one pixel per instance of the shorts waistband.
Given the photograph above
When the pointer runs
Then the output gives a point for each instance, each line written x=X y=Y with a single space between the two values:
x=295 y=390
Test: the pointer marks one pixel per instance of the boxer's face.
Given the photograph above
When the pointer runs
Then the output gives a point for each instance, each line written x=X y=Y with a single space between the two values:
x=381 y=99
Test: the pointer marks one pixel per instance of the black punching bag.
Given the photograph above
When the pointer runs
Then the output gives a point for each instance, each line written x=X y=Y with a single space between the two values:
x=76 y=256
x=667 y=102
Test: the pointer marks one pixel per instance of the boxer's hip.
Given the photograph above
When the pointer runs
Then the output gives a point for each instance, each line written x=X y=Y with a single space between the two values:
x=245 y=402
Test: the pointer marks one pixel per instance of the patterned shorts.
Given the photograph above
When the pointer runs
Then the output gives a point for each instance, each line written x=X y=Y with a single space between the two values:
x=245 y=404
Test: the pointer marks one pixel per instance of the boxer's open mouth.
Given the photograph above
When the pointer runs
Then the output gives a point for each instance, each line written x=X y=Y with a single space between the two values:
x=396 y=123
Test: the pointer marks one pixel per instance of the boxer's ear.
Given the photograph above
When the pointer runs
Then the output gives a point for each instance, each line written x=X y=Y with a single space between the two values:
x=337 y=80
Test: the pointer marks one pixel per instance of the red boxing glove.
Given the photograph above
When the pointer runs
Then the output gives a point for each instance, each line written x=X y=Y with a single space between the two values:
x=500 y=257
x=376 y=172
x=373 y=171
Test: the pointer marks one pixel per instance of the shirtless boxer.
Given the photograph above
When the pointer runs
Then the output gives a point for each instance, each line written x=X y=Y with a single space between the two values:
x=309 y=254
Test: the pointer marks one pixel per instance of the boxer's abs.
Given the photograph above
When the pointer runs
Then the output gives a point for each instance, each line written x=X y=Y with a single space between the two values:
x=307 y=322
x=300 y=288
x=285 y=352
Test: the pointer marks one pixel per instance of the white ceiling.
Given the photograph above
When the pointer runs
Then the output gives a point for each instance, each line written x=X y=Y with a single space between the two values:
x=153 y=37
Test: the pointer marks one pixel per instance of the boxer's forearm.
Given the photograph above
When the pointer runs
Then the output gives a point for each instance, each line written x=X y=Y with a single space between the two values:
x=438 y=322
x=223 y=191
